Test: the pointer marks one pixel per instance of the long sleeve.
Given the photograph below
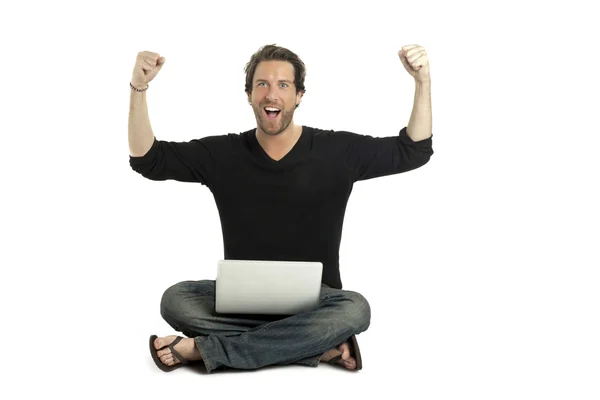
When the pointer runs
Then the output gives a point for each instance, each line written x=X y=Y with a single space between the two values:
x=369 y=157
x=192 y=161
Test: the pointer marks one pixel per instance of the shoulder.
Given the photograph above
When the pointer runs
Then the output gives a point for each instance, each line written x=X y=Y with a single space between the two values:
x=332 y=137
x=227 y=137
x=328 y=134
x=225 y=140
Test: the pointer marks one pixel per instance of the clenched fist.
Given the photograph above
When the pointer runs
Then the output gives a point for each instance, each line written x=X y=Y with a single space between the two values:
x=415 y=61
x=147 y=66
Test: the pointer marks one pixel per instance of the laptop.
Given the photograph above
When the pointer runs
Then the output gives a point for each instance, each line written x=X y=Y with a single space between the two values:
x=267 y=287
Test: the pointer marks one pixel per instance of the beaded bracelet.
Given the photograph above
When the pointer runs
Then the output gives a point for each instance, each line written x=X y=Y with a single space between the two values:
x=138 y=90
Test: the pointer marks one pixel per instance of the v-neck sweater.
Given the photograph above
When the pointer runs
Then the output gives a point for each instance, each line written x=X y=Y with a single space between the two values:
x=286 y=210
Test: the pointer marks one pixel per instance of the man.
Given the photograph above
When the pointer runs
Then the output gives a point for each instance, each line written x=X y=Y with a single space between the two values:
x=281 y=190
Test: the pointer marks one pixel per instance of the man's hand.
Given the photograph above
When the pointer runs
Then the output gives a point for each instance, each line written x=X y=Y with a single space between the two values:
x=147 y=65
x=414 y=59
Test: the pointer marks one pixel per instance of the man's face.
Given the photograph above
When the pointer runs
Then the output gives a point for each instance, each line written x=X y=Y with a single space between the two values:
x=273 y=88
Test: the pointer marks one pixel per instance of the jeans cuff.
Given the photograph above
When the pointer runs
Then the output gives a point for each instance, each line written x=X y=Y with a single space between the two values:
x=207 y=364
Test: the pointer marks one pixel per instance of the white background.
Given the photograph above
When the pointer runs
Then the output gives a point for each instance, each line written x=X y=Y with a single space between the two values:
x=481 y=268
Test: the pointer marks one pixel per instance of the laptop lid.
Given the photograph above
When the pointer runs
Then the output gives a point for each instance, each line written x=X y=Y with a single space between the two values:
x=267 y=287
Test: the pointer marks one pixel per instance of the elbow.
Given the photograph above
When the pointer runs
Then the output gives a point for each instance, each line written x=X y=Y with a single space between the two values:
x=150 y=165
x=424 y=157
x=416 y=158
x=148 y=170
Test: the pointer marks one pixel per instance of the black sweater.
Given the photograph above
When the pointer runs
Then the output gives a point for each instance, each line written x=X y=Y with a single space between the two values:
x=287 y=210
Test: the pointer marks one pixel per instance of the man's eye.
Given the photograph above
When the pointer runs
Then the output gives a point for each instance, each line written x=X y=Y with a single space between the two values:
x=284 y=85
x=261 y=83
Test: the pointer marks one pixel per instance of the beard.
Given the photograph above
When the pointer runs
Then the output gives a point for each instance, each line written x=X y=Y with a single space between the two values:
x=273 y=127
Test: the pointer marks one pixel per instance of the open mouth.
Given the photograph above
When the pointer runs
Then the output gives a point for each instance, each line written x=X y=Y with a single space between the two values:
x=272 y=112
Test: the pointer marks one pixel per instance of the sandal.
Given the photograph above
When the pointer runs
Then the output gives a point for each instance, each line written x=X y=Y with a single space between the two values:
x=159 y=364
x=335 y=355
x=355 y=352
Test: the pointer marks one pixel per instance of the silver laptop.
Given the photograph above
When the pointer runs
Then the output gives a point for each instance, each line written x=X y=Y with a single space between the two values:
x=267 y=287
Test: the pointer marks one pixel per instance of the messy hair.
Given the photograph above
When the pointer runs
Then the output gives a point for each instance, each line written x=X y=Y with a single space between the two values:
x=272 y=52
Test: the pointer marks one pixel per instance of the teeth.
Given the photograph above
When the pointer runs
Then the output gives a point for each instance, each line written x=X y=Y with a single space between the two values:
x=271 y=109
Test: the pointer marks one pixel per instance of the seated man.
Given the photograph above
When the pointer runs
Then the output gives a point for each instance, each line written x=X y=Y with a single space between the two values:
x=281 y=190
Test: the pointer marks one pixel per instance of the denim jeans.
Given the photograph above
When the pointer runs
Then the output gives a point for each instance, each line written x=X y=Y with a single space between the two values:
x=254 y=341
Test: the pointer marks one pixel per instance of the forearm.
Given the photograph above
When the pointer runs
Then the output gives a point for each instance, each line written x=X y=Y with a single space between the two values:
x=420 y=124
x=141 y=136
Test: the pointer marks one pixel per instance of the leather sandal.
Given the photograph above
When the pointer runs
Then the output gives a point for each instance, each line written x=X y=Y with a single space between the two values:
x=159 y=364
x=355 y=352
x=335 y=355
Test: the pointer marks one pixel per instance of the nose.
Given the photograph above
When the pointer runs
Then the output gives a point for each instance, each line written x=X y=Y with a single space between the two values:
x=272 y=94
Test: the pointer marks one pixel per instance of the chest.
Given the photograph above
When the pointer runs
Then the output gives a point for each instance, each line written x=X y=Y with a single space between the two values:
x=312 y=179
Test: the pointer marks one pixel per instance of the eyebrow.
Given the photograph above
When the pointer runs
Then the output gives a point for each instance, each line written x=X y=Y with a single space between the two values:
x=281 y=80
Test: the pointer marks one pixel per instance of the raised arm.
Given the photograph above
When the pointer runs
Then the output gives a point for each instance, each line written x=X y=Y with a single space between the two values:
x=159 y=160
x=141 y=137
x=415 y=61
x=369 y=157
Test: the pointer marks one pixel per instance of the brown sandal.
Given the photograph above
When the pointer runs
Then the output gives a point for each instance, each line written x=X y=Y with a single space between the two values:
x=159 y=364
x=355 y=351
x=335 y=355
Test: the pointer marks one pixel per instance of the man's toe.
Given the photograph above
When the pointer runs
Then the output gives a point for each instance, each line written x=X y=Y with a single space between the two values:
x=345 y=349
x=159 y=343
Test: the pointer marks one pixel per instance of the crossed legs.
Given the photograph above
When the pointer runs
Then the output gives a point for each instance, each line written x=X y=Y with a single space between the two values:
x=255 y=341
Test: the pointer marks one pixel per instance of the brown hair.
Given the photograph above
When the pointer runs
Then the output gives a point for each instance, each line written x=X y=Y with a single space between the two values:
x=272 y=52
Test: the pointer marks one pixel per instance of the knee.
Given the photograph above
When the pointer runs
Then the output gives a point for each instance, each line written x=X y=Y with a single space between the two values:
x=170 y=300
x=358 y=311
x=174 y=298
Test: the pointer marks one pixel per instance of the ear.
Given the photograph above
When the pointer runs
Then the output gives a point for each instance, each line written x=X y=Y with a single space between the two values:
x=299 y=96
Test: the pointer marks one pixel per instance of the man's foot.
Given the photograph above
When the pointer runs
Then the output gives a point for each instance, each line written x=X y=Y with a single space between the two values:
x=346 y=361
x=186 y=348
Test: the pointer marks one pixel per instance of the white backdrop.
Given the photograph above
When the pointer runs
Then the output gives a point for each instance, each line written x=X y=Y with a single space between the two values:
x=481 y=268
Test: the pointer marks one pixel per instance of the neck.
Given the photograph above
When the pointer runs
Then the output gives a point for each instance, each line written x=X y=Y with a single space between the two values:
x=282 y=140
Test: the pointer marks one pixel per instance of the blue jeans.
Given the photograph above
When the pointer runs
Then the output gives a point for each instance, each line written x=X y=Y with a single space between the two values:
x=255 y=341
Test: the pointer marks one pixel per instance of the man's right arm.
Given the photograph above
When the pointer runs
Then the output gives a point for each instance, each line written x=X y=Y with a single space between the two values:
x=159 y=160
x=141 y=136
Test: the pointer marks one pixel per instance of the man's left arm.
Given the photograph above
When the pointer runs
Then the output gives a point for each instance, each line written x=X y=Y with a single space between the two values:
x=415 y=61
x=370 y=157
